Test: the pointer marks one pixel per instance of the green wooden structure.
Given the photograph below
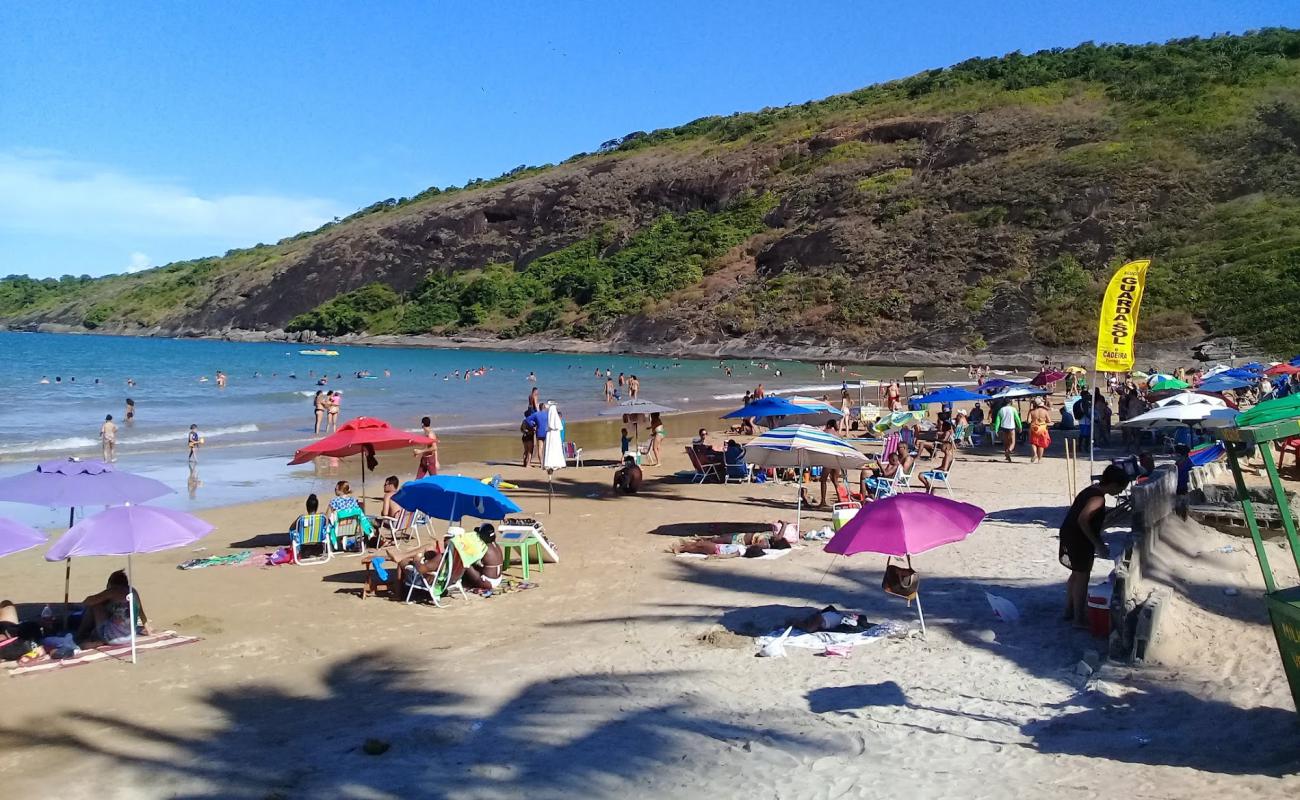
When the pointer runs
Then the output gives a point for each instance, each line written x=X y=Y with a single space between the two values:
x=1283 y=604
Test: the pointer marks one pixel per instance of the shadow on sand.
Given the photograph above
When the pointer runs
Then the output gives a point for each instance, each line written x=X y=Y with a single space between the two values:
x=374 y=728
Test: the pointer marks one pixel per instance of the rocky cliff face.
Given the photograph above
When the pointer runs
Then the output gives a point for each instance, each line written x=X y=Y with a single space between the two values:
x=977 y=216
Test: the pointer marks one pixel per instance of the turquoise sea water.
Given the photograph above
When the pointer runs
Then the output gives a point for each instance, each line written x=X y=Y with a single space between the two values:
x=255 y=423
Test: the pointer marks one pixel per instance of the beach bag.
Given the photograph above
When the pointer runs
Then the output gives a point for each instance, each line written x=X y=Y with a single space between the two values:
x=901 y=581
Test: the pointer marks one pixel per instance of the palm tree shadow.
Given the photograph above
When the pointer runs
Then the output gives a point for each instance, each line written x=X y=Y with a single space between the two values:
x=375 y=728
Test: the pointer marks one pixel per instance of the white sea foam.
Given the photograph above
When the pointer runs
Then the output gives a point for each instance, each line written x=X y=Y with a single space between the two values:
x=124 y=438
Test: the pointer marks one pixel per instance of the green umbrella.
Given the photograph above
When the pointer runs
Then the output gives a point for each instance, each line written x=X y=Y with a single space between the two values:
x=1271 y=411
x=1167 y=384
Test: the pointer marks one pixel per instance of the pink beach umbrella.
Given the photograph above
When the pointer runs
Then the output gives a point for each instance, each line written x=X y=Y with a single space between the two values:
x=126 y=530
x=16 y=537
x=904 y=525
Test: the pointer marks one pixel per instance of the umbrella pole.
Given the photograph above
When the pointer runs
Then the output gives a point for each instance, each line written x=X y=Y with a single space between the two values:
x=1092 y=422
x=550 y=490
x=67 y=576
x=130 y=602
x=919 y=613
x=798 y=503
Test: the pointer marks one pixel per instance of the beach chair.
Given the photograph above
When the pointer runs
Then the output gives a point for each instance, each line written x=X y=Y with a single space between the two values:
x=890 y=445
x=310 y=529
x=347 y=533
x=404 y=525
x=737 y=472
x=573 y=453
x=886 y=487
x=703 y=471
x=437 y=585
x=939 y=477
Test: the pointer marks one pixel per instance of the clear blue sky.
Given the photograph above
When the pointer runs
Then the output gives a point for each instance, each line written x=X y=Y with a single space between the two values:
x=135 y=134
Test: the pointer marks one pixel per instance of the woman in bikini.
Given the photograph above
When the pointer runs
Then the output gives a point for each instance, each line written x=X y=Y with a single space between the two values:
x=656 y=438
x=749 y=545
x=319 y=409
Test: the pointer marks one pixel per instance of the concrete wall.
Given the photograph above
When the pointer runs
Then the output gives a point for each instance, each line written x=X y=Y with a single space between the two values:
x=1136 y=602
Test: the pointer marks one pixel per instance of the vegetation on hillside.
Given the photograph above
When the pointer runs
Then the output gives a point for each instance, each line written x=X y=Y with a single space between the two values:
x=579 y=289
x=984 y=202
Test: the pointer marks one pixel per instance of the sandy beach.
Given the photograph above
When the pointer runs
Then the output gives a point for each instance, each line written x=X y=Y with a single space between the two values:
x=630 y=672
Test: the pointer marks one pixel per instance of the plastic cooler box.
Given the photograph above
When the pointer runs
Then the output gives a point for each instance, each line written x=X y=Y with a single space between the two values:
x=1099 y=610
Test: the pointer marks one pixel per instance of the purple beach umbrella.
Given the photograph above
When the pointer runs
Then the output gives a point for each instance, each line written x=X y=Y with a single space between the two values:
x=72 y=482
x=125 y=530
x=16 y=537
x=68 y=483
x=906 y=524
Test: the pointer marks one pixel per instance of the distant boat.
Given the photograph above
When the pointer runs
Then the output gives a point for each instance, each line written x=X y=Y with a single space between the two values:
x=320 y=352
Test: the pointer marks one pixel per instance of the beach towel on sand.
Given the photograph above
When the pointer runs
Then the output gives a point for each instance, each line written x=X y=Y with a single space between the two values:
x=821 y=639
x=119 y=652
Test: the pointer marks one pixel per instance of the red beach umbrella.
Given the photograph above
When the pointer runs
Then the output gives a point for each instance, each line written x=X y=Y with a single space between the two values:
x=1047 y=377
x=360 y=435
x=1282 y=369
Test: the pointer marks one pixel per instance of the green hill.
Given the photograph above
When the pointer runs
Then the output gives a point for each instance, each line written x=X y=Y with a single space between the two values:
x=975 y=208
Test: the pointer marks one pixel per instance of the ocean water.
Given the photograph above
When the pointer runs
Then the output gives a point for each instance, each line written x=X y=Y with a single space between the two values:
x=254 y=424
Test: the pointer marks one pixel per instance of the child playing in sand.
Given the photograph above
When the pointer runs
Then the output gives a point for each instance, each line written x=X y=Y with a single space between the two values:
x=195 y=442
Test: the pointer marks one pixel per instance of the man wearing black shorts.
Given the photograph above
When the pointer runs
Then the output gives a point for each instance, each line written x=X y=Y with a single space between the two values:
x=1080 y=540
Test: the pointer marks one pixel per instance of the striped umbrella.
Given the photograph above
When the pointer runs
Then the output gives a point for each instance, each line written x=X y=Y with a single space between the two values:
x=818 y=406
x=897 y=420
x=802 y=446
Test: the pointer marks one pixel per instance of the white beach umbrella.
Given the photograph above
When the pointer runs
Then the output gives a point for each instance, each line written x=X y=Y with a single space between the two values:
x=1191 y=399
x=552 y=449
x=1162 y=415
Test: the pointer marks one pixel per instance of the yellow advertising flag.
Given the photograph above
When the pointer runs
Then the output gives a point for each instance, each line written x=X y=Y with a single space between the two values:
x=1119 y=317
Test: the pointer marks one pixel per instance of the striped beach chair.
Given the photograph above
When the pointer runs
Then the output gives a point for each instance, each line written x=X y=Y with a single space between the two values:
x=310 y=529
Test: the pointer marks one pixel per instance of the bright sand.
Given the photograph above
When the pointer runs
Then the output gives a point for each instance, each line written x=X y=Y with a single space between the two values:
x=631 y=673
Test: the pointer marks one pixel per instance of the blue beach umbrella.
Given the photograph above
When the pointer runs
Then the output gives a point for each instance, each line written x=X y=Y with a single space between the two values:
x=1220 y=383
x=452 y=497
x=949 y=394
x=771 y=407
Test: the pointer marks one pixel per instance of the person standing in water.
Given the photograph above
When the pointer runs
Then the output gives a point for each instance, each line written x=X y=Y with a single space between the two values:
x=319 y=409
x=332 y=406
x=130 y=411
x=195 y=441
x=108 y=438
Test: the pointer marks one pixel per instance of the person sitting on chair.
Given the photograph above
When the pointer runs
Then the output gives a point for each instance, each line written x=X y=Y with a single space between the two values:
x=930 y=477
x=485 y=574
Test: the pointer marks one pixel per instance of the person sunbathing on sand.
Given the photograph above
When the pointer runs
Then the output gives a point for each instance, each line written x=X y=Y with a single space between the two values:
x=748 y=545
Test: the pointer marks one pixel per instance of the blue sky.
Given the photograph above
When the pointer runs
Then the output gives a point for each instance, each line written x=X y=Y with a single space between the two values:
x=134 y=134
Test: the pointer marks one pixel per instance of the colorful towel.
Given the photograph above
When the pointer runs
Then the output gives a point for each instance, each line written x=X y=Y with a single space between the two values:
x=121 y=652
x=216 y=561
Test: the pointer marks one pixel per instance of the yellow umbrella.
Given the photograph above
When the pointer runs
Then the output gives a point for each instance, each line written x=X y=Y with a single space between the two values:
x=1077 y=370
